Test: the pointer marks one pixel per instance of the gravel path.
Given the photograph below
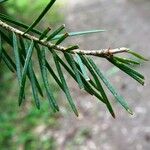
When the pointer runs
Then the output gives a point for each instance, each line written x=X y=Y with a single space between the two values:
x=128 y=22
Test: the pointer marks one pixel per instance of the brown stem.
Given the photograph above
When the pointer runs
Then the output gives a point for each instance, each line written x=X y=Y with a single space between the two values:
x=100 y=53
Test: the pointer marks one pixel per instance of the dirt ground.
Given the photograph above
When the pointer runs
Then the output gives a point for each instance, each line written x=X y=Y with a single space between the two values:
x=128 y=25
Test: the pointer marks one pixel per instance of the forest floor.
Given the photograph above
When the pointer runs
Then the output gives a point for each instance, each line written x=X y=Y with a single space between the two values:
x=128 y=25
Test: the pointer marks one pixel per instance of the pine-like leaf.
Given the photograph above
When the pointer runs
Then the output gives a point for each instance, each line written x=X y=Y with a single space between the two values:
x=78 y=68
x=137 y=55
x=79 y=33
x=54 y=75
x=49 y=68
x=44 y=34
x=11 y=65
x=49 y=92
x=83 y=69
x=134 y=74
x=89 y=86
x=55 y=32
x=17 y=58
x=118 y=97
x=126 y=61
x=62 y=38
x=62 y=78
x=8 y=61
x=49 y=5
x=99 y=86
x=23 y=50
x=69 y=49
x=32 y=79
x=112 y=71
x=24 y=72
x=72 y=63
x=17 y=23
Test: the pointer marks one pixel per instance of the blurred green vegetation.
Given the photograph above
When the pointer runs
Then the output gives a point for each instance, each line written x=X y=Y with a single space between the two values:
x=19 y=125
x=26 y=127
x=28 y=10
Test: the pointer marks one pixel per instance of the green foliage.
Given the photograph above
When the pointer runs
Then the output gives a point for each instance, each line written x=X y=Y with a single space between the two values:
x=80 y=66
x=20 y=127
x=24 y=7
x=48 y=6
x=1 y=1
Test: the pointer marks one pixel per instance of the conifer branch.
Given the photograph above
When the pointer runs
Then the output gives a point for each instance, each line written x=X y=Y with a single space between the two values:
x=100 y=53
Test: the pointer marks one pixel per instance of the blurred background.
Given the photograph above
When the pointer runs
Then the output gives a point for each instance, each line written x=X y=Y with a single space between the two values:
x=26 y=128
